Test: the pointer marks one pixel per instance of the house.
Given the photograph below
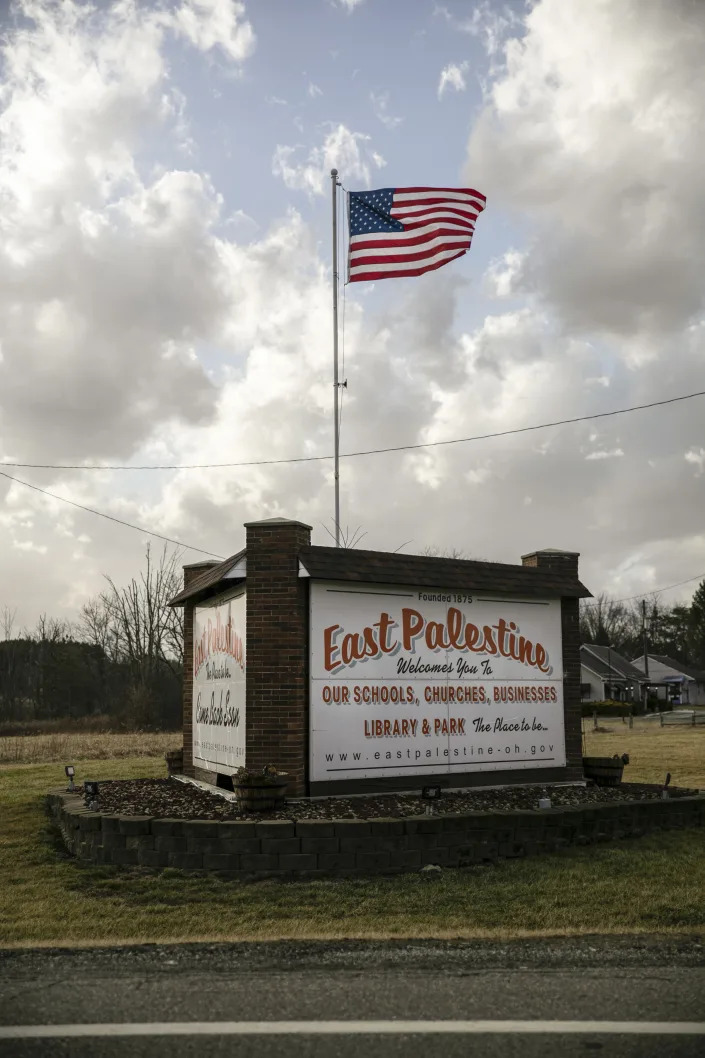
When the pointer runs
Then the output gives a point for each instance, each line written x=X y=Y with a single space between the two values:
x=606 y=675
x=678 y=683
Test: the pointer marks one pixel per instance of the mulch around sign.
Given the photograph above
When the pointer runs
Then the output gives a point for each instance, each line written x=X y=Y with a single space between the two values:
x=173 y=799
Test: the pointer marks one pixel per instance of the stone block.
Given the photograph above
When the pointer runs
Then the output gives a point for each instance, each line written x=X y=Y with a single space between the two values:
x=113 y=840
x=89 y=822
x=298 y=862
x=110 y=824
x=152 y=858
x=259 y=862
x=186 y=861
x=336 y=861
x=372 y=861
x=213 y=861
x=275 y=828
x=437 y=854
x=281 y=846
x=236 y=846
x=315 y=828
x=134 y=824
x=359 y=842
x=424 y=825
x=171 y=845
x=405 y=859
x=318 y=845
x=123 y=857
x=167 y=828
x=351 y=828
x=386 y=827
x=232 y=829
x=200 y=829
x=139 y=841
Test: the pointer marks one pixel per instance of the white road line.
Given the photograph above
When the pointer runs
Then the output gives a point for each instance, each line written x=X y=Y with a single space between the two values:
x=350 y=1028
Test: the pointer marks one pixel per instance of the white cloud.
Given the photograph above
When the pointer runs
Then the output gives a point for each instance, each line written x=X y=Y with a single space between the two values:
x=503 y=273
x=696 y=456
x=604 y=159
x=453 y=76
x=341 y=149
x=615 y=453
x=349 y=5
x=209 y=24
x=380 y=106
x=313 y=90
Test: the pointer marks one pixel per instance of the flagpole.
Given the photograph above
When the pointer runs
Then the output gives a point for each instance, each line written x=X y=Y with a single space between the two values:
x=336 y=424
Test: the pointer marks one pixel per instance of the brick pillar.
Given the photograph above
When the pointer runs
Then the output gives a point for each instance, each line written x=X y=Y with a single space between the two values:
x=566 y=562
x=553 y=561
x=191 y=572
x=277 y=649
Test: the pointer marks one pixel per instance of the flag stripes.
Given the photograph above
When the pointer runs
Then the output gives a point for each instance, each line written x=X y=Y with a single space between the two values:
x=409 y=230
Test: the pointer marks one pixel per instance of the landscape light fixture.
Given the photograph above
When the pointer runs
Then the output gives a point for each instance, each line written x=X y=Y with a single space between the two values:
x=70 y=772
x=431 y=793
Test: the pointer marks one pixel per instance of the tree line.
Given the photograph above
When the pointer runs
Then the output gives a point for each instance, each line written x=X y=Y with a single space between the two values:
x=677 y=631
x=120 y=662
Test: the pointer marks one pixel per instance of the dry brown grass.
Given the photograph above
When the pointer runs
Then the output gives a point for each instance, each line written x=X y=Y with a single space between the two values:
x=653 y=750
x=80 y=745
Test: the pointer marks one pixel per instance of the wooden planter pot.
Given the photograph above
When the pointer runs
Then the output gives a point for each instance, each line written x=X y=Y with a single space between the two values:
x=605 y=771
x=259 y=796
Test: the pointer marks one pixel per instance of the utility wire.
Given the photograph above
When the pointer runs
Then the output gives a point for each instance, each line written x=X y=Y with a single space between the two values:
x=362 y=452
x=110 y=517
x=211 y=554
x=645 y=594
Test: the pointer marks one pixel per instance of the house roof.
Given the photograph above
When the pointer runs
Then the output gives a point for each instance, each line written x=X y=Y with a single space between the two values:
x=671 y=663
x=607 y=663
x=381 y=567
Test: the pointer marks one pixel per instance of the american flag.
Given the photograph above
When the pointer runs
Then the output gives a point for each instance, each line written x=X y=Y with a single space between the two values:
x=406 y=231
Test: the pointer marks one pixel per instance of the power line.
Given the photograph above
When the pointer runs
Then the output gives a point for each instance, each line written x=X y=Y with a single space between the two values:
x=211 y=554
x=654 y=591
x=110 y=517
x=362 y=452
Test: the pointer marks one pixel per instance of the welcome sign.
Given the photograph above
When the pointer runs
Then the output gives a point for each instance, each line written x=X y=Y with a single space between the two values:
x=410 y=681
x=219 y=685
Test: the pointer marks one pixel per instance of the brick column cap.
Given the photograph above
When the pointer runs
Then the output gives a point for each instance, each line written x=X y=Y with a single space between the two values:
x=551 y=551
x=274 y=522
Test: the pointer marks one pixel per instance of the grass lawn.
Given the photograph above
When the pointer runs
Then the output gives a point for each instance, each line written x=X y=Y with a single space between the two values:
x=653 y=750
x=654 y=884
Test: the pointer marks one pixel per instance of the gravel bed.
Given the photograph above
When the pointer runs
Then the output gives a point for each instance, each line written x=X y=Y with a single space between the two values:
x=172 y=799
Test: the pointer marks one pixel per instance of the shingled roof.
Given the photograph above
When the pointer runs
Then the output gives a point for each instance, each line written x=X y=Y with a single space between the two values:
x=381 y=567
x=213 y=576
x=607 y=663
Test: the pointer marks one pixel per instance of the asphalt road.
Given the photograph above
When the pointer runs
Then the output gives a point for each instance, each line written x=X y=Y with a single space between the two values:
x=628 y=997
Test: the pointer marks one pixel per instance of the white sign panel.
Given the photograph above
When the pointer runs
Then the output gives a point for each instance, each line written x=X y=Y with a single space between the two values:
x=410 y=681
x=219 y=685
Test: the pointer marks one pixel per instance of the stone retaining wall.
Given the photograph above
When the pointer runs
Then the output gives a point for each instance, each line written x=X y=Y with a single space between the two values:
x=344 y=847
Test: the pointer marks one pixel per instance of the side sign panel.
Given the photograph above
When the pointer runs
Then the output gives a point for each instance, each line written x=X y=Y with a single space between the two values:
x=219 y=685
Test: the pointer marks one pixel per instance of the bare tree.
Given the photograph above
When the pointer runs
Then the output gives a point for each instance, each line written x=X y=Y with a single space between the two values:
x=446 y=552
x=7 y=621
x=147 y=631
x=606 y=622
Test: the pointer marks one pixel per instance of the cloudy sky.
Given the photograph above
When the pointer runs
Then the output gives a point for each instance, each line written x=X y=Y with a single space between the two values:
x=165 y=287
